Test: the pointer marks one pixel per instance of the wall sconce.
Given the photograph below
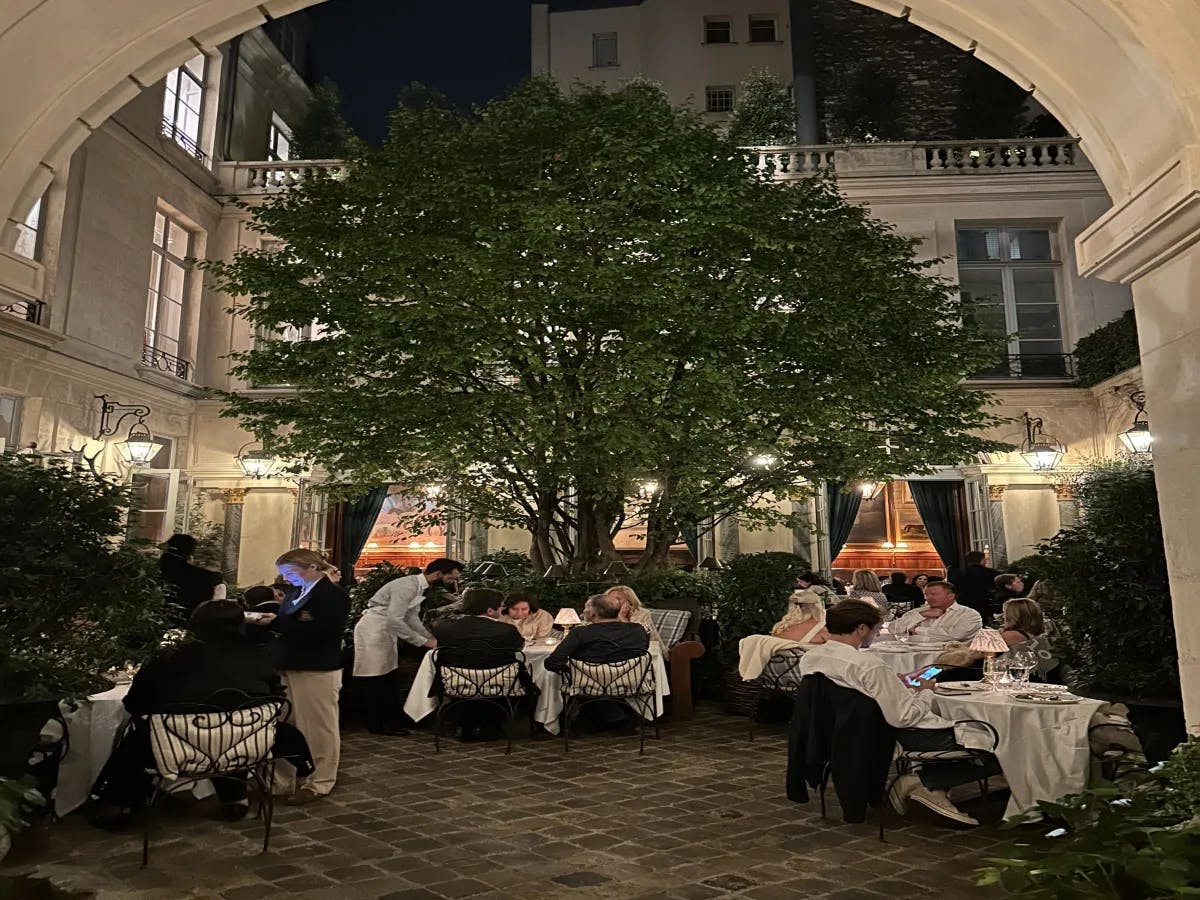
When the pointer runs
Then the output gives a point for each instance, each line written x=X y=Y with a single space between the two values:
x=140 y=446
x=1138 y=440
x=1040 y=451
x=871 y=489
x=256 y=463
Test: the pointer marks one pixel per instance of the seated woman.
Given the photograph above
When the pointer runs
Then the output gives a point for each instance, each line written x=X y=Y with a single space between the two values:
x=1025 y=628
x=864 y=585
x=633 y=611
x=804 y=620
x=221 y=669
x=522 y=612
x=261 y=599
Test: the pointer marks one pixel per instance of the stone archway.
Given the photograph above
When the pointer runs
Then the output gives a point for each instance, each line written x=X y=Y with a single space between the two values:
x=1123 y=74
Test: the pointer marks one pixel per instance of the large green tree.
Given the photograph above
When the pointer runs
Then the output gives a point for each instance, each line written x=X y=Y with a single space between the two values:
x=765 y=112
x=566 y=295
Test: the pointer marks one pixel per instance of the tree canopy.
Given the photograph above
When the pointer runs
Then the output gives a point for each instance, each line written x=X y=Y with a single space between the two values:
x=765 y=112
x=567 y=295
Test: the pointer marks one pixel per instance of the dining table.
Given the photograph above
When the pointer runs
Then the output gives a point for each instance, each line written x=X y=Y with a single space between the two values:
x=1043 y=748
x=548 y=707
x=905 y=657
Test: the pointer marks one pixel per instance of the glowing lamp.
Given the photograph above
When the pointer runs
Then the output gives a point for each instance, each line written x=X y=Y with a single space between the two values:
x=567 y=618
x=1040 y=451
x=1138 y=440
x=140 y=447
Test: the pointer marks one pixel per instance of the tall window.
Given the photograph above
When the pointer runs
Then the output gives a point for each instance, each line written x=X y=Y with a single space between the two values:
x=1009 y=275
x=28 y=231
x=183 y=101
x=718 y=30
x=604 y=50
x=762 y=30
x=168 y=279
x=10 y=423
x=718 y=98
x=279 y=140
x=979 y=515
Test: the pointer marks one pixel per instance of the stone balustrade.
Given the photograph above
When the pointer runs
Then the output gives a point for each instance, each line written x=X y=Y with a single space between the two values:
x=268 y=177
x=1028 y=155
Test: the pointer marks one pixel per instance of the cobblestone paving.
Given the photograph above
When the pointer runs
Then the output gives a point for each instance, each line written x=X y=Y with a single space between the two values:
x=701 y=815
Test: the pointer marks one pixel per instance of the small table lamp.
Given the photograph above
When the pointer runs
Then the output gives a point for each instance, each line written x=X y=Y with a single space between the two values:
x=988 y=642
x=567 y=618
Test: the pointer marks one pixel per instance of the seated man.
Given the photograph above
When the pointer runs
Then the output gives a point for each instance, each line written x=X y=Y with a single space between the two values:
x=852 y=623
x=942 y=618
x=898 y=590
x=605 y=639
x=478 y=640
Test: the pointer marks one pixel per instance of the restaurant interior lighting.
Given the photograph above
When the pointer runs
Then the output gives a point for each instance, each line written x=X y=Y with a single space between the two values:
x=140 y=447
x=871 y=489
x=1041 y=451
x=256 y=463
x=1137 y=439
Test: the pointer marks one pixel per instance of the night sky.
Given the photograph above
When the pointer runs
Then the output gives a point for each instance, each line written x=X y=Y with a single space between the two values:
x=470 y=50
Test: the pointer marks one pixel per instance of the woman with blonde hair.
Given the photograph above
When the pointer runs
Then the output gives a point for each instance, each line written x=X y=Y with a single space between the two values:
x=309 y=659
x=804 y=620
x=633 y=611
x=864 y=585
x=1023 y=621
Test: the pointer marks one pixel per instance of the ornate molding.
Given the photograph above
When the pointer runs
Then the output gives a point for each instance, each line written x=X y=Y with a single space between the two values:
x=996 y=492
x=234 y=496
x=1064 y=492
x=1159 y=219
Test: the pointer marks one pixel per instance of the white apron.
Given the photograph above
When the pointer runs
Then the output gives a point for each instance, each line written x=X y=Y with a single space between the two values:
x=375 y=650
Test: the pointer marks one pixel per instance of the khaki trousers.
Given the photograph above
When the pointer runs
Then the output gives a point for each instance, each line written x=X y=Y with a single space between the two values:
x=314 y=698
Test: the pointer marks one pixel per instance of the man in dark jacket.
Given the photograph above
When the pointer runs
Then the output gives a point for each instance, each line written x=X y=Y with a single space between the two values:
x=974 y=585
x=898 y=590
x=606 y=639
x=188 y=585
x=478 y=640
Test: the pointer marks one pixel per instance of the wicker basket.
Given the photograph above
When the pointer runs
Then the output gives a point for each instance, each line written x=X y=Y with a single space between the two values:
x=739 y=695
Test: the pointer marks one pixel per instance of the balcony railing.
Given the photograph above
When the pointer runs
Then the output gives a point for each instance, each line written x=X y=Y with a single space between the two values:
x=183 y=139
x=271 y=176
x=165 y=362
x=1045 y=366
x=32 y=311
x=785 y=163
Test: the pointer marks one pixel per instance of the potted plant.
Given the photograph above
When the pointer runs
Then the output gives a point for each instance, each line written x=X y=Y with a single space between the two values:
x=17 y=798
x=79 y=599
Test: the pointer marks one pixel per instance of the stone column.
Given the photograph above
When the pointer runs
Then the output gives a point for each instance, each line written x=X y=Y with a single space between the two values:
x=235 y=500
x=1068 y=507
x=998 y=546
x=731 y=539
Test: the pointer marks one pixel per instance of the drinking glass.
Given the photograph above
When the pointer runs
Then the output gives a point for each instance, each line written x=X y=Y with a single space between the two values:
x=1021 y=664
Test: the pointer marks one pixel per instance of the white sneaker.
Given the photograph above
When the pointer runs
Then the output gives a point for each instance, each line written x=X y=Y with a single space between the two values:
x=939 y=802
x=902 y=788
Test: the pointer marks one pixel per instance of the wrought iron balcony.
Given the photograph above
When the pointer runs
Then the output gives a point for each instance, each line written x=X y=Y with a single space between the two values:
x=1030 y=366
x=32 y=311
x=165 y=362
x=184 y=140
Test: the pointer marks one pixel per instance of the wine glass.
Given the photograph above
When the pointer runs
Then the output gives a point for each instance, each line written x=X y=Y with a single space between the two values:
x=1021 y=663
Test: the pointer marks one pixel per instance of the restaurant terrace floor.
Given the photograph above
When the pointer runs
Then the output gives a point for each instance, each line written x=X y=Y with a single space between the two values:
x=701 y=815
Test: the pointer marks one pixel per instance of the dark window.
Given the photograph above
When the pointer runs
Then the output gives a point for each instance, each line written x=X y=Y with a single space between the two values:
x=718 y=31
x=718 y=99
x=762 y=30
x=604 y=50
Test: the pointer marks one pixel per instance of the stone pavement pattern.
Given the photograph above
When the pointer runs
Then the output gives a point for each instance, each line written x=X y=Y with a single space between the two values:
x=701 y=815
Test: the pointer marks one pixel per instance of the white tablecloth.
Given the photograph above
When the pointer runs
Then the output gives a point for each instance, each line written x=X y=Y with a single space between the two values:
x=904 y=658
x=1043 y=750
x=92 y=725
x=549 y=702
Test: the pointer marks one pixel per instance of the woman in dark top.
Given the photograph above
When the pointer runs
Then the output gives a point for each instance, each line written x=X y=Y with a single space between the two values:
x=220 y=668
x=308 y=654
x=190 y=585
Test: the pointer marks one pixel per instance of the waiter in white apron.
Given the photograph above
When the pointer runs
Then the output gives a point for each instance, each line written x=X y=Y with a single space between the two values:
x=394 y=614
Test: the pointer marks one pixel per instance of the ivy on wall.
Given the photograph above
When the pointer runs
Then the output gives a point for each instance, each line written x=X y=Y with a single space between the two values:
x=1107 y=351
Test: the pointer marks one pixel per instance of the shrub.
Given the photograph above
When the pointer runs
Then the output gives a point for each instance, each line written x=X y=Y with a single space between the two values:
x=77 y=600
x=1107 y=351
x=753 y=596
x=1109 y=576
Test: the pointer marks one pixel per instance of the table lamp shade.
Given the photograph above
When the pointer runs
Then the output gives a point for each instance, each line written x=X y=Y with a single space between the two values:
x=566 y=616
x=988 y=640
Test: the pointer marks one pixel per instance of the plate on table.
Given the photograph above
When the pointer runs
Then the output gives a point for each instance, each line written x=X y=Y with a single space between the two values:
x=965 y=687
x=1046 y=699
x=916 y=645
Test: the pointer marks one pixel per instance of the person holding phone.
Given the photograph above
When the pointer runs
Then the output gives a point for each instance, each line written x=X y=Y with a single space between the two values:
x=905 y=704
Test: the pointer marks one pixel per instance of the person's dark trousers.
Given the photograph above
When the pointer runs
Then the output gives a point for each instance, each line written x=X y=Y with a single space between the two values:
x=383 y=700
x=941 y=776
x=478 y=720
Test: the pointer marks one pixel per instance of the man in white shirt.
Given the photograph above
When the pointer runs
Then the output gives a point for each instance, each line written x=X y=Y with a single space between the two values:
x=852 y=623
x=394 y=614
x=942 y=618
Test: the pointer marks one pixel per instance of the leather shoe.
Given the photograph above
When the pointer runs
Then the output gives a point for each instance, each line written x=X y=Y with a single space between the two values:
x=303 y=796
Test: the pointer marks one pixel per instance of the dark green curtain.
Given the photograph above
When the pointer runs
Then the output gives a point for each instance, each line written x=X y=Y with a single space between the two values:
x=692 y=539
x=937 y=502
x=842 y=508
x=358 y=518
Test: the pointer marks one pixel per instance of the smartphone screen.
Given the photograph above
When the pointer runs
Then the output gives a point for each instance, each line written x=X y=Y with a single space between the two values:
x=926 y=675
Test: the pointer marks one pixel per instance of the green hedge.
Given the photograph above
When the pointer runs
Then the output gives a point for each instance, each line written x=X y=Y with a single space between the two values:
x=1107 y=351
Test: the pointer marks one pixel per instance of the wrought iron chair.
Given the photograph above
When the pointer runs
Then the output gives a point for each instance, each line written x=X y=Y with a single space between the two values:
x=499 y=679
x=1113 y=745
x=198 y=742
x=629 y=677
x=910 y=761
x=781 y=676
